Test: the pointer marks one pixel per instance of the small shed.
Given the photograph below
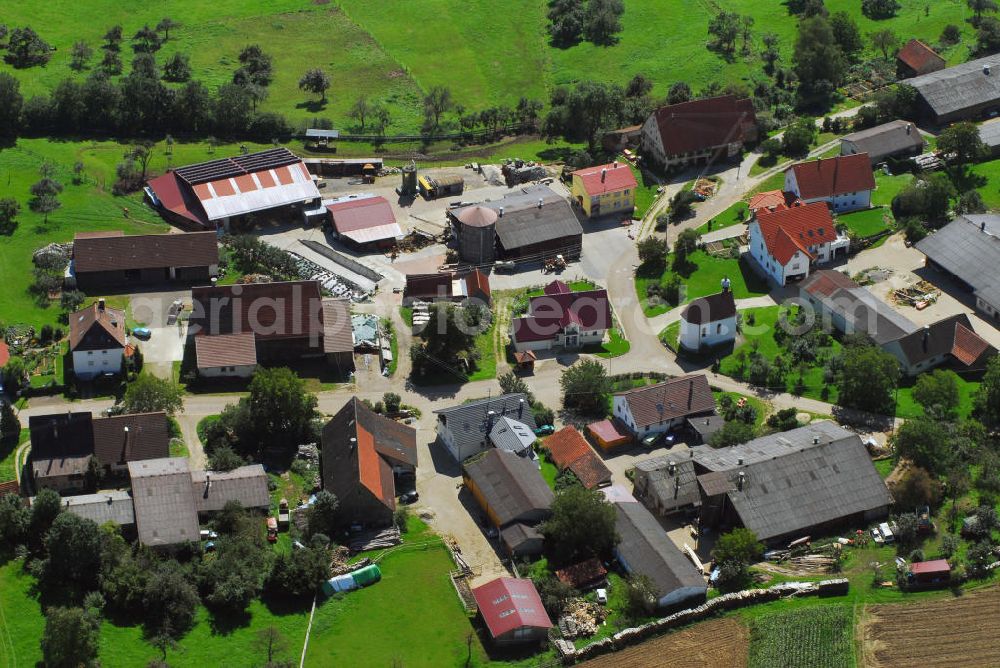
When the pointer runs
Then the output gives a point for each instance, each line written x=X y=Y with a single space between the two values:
x=512 y=611
x=607 y=435
x=525 y=360
x=432 y=187
x=703 y=427
x=930 y=573
x=522 y=540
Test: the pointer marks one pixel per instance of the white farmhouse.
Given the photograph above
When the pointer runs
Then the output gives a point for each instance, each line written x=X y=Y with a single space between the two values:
x=845 y=182
x=785 y=243
x=709 y=321
x=97 y=340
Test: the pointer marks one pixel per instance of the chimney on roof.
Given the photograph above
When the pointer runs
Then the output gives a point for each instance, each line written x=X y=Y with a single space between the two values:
x=208 y=481
x=691 y=453
x=604 y=174
x=986 y=70
x=501 y=212
x=909 y=126
x=353 y=443
x=489 y=420
x=815 y=440
x=616 y=164
x=539 y=202
x=520 y=407
x=927 y=337
x=100 y=304
x=739 y=461
x=741 y=479
x=671 y=467
x=982 y=226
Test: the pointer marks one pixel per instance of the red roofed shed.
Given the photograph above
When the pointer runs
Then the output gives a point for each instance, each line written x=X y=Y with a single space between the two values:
x=916 y=58
x=512 y=611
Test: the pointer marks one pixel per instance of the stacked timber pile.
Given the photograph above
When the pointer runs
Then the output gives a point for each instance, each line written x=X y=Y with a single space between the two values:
x=581 y=618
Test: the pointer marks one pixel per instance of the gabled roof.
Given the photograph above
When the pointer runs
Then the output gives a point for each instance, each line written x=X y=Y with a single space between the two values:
x=969 y=248
x=509 y=485
x=524 y=222
x=552 y=312
x=671 y=480
x=608 y=178
x=886 y=139
x=964 y=86
x=712 y=308
x=809 y=486
x=61 y=443
x=364 y=220
x=677 y=397
x=507 y=604
x=771 y=199
x=235 y=186
x=470 y=423
x=861 y=310
x=113 y=506
x=794 y=230
x=768 y=447
x=824 y=282
x=828 y=177
x=583 y=573
x=933 y=566
x=144 y=251
x=212 y=490
x=511 y=435
x=702 y=124
x=337 y=326
x=570 y=450
x=477 y=284
x=226 y=350
x=277 y=310
x=647 y=550
x=919 y=57
x=949 y=336
x=148 y=437
x=4 y=354
x=94 y=328
x=165 y=511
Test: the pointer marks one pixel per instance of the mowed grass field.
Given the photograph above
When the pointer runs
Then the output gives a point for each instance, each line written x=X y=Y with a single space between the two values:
x=488 y=53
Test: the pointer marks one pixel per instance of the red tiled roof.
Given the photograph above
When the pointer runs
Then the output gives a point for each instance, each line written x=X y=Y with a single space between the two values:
x=702 y=124
x=827 y=281
x=584 y=573
x=4 y=354
x=226 y=350
x=617 y=176
x=677 y=397
x=108 y=327
x=607 y=431
x=525 y=356
x=478 y=282
x=10 y=487
x=550 y=313
x=556 y=288
x=177 y=198
x=570 y=450
x=508 y=603
x=920 y=58
x=828 y=177
x=767 y=200
x=373 y=472
x=968 y=346
x=795 y=229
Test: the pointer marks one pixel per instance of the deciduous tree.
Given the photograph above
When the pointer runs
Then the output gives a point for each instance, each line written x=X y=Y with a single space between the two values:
x=315 y=80
x=71 y=638
x=585 y=387
x=26 y=49
x=149 y=394
x=868 y=380
x=937 y=391
x=582 y=525
x=80 y=55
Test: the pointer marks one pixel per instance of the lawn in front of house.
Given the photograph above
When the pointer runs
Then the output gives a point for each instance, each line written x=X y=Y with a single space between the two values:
x=907 y=406
x=616 y=345
x=761 y=334
x=866 y=223
x=412 y=617
x=734 y=215
x=887 y=187
x=705 y=279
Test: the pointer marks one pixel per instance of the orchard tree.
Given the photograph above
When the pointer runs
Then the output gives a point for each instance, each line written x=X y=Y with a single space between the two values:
x=26 y=49
x=868 y=380
x=980 y=7
x=360 y=110
x=937 y=391
x=602 y=21
x=962 y=141
x=113 y=38
x=879 y=9
x=146 y=40
x=170 y=600
x=987 y=398
x=437 y=102
x=255 y=69
x=315 y=81
x=177 y=68
x=847 y=34
x=150 y=394
x=885 y=41
x=679 y=92
x=71 y=638
x=165 y=25
x=11 y=105
x=45 y=192
x=80 y=55
x=585 y=387
x=9 y=208
x=582 y=526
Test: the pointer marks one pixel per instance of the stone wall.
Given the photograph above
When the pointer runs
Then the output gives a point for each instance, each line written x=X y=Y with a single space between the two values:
x=740 y=599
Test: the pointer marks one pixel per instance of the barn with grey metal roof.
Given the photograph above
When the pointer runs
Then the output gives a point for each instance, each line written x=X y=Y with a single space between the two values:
x=165 y=509
x=895 y=138
x=968 y=248
x=114 y=506
x=961 y=92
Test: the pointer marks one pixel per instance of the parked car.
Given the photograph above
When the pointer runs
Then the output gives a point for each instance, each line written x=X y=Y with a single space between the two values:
x=210 y=546
x=664 y=438
x=206 y=534
x=602 y=596
x=272 y=530
x=886 y=532
x=142 y=333
x=877 y=536
x=407 y=498
x=545 y=430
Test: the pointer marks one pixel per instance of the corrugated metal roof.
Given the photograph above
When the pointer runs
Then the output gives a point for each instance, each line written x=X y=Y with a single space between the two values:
x=507 y=604
x=511 y=486
x=960 y=87
x=288 y=184
x=214 y=489
x=972 y=254
x=646 y=549
x=164 y=504
x=511 y=435
x=768 y=447
x=114 y=506
x=524 y=222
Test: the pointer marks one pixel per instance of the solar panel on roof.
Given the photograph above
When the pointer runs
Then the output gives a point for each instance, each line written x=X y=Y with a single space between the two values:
x=225 y=168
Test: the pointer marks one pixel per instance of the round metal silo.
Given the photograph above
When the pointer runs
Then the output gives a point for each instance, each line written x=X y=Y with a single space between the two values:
x=409 y=185
x=477 y=234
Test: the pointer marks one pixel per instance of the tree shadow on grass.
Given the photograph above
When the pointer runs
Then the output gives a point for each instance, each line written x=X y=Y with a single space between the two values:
x=554 y=154
x=312 y=106
x=223 y=622
x=280 y=606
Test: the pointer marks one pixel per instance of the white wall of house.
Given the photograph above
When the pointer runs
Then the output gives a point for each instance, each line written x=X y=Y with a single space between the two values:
x=840 y=203
x=238 y=371
x=621 y=411
x=693 y=336
x=774 y=271
x=447 y=438
x=560 y=340
x=92 y=363
x=896 y=351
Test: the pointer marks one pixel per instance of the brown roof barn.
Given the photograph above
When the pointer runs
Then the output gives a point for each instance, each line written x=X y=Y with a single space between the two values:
x=570 y=450
x=509 y=488
x=113 y=259
x=674 y=398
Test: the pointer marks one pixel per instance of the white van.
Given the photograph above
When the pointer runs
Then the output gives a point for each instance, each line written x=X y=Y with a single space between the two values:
x=886 y=532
